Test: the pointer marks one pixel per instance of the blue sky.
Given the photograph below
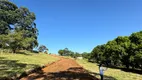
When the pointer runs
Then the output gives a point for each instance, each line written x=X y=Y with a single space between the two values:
x=80 y=25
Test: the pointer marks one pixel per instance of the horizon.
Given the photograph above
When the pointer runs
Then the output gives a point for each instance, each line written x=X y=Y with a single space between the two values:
x=80 y=25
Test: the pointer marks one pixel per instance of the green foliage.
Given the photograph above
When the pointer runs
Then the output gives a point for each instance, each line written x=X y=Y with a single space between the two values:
x=67 y=52
x=61 y=52
x=17 y=27
x=42 y=48
x=15 y=40
x=64 y=52
x=85 y=55
x=122 y=51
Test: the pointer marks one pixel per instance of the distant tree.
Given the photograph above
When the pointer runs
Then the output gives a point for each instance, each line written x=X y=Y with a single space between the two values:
x=85 y=55
x=76 y=54
x=46 y=52
x=66 y=52
x=61 y=52
x=42 y=48
x=72 y=54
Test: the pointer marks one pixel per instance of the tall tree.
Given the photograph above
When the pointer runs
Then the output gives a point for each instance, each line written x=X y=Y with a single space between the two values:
x=14 y=20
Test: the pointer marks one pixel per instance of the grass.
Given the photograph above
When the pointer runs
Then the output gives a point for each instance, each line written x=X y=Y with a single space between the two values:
x=110 y=74
x=13 y=64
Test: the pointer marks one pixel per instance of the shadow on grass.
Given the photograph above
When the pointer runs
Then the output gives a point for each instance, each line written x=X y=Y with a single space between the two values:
x=24 y=53
x=105 y=77
x=127 y=70
x=10 y=68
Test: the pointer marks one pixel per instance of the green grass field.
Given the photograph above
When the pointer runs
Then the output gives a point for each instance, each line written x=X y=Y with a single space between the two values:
x=110 y=74
x=11 y=64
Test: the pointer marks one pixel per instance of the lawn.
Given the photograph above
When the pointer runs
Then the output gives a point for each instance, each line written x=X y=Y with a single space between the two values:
x=110 y=74
x=11 y=64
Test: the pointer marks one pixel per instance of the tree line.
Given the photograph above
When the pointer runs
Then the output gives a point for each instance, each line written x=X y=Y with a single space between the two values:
x=123 y=51
x=17 y=27
x=67 y=52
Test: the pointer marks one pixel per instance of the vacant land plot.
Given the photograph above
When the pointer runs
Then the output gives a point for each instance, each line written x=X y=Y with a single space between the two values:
x=13 y=64
x=110 y=74
x=63 y=69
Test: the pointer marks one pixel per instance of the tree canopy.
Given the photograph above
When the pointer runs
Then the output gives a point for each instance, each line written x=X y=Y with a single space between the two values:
x=64 y=52
x=122 y=51
x=17 y=27
x=67 y=52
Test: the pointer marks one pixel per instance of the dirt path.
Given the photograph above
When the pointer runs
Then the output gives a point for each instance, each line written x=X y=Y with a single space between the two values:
x=63 y=69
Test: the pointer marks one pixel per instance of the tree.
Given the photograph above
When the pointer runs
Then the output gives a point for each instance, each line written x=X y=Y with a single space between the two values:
x=85 y=55
x=64 y=52
x=15 y=40
x=72 y=54
x=76 y=54
x=123 y=51
x=135 y=49
x=61 y=52
x=97 y=54
x=26 y=22
x=42 y=48
x=15 y=20
x=8 y=16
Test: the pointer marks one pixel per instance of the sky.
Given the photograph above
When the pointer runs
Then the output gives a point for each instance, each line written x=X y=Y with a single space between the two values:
x=80 y=25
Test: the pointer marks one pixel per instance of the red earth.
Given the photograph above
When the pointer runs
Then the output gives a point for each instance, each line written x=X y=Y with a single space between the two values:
x=63 y=69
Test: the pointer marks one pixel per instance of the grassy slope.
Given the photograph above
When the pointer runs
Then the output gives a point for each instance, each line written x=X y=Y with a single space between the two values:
x=11 y=64
x=110 y=74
